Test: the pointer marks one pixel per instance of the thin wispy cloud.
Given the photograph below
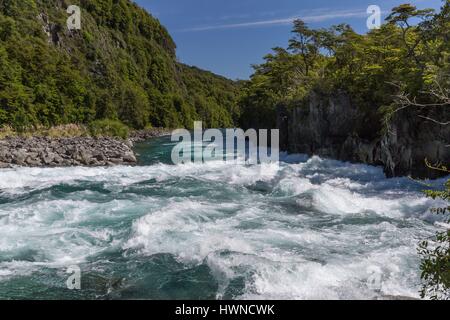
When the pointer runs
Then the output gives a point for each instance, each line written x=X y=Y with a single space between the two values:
x=311 y=18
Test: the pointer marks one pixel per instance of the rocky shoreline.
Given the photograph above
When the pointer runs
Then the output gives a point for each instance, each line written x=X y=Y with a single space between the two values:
x=74 y=151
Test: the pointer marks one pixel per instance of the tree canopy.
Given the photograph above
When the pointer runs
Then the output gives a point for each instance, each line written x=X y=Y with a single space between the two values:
x=121 y=65
x=408 y=56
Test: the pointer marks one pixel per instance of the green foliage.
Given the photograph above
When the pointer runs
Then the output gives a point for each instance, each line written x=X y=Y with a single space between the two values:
x=435 y=265
x=211 y=98
x=407 y=55
x=109 y=128
x=121 y=65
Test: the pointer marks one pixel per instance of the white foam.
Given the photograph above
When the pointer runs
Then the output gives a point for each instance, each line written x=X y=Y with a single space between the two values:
x=316 y=230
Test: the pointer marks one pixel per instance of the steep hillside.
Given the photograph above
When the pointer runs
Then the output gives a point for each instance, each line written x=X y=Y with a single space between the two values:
x=120 y=65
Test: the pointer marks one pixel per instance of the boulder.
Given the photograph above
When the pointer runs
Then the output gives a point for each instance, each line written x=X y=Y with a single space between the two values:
x=129 y=158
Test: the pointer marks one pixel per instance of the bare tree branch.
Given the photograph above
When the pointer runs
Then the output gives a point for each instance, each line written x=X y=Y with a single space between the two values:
x=437 y=166
x=435 y=121
x=440 y=94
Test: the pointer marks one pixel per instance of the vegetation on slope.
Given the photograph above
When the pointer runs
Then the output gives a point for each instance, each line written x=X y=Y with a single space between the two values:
x=121 y=65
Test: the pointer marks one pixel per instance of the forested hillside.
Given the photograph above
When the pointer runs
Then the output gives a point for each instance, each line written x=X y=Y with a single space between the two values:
x=121 y=65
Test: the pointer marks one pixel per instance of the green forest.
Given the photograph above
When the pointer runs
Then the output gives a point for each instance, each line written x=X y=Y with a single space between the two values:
x=121 y=65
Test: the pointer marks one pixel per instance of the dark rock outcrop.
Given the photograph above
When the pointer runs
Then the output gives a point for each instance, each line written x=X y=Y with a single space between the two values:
x=142 y=135
x=334 y=127
x=61 y=152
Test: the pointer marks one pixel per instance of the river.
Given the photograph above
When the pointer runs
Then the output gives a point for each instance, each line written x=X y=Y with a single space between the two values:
x=310 y=228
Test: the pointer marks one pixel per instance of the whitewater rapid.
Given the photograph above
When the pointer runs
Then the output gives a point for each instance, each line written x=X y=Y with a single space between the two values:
x=308 y=229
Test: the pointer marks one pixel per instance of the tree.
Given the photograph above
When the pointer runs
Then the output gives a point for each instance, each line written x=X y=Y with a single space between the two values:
x=401 y=17
x=121 y=65
x=435 y=264
x=304 y=44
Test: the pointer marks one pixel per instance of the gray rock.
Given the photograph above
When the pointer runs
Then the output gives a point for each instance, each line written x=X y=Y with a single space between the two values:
x=115 y=161
x=3 y=154
x=58 y=159
x=32 y=162
x=129 y=157
x=49 y=158
x=129 y=143
x=4 y=165
x=333 y=126
x=99 y=156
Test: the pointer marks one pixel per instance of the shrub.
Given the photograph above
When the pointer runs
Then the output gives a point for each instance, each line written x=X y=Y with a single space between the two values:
x=66 y=131
x=435 y=254
x=111 y=128
x=7 y=131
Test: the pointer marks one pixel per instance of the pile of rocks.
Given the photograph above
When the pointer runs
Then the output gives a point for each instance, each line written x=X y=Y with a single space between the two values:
x=63 y=152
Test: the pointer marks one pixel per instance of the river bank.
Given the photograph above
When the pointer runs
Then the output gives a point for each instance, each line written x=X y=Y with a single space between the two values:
x=90 y=151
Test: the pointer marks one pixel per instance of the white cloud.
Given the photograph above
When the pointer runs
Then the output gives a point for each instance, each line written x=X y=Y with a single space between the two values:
x=311 y=17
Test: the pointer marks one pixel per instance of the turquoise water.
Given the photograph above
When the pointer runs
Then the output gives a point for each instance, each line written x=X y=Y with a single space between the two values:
x=308 y=229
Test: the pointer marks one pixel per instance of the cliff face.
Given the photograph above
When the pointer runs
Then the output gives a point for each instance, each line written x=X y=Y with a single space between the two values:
x=333 y=126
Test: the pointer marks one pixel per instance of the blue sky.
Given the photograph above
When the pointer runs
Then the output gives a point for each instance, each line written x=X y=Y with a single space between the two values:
x=228 y=36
